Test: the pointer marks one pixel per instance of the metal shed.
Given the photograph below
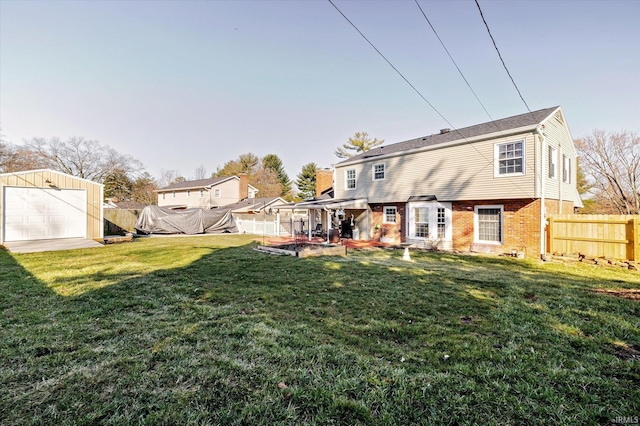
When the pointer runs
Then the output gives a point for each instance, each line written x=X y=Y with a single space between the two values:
x=46 y=204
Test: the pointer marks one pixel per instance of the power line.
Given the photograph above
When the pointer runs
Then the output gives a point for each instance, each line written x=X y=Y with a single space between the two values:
x=489 y=161
x=500 y=56
x=391 y=65
x=454 y=63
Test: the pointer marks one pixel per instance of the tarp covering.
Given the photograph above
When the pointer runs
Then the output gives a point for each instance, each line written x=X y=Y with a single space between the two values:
x=161 y=220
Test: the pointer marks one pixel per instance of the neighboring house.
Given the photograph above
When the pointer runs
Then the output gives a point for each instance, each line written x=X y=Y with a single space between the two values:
x=46 y=204
x=206 y=193
x=486 y=187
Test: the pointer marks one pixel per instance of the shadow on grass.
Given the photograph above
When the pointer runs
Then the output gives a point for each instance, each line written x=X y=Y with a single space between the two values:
x=368 y=339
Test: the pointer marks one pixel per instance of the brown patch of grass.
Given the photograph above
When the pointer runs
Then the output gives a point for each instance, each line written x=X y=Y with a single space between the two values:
x=625 y=293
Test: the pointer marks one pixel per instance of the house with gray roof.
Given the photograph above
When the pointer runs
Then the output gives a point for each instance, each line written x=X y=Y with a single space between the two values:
x=486 y=187
x=206 y=193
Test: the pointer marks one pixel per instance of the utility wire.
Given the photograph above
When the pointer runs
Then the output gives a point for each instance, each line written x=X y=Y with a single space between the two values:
x=488 y=161
x=500 y=56
x=391 y=65
x=454 y=63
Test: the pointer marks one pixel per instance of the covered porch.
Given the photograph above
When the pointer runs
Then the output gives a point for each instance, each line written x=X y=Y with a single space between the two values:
x=333 y=219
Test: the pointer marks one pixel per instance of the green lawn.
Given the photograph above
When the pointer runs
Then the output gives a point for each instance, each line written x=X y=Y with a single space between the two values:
x=205 y=330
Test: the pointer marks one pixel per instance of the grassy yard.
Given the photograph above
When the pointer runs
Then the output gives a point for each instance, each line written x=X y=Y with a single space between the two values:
x=204 y=330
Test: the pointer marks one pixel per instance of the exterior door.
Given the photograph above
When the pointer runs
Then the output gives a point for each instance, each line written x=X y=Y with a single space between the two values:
x=430 y=221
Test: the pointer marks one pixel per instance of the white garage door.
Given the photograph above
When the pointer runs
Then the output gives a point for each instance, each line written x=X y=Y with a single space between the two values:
x=41 y=214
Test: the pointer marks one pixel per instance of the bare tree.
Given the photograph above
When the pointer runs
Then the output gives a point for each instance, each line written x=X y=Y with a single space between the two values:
x=81 y=157
x=201 y=172
x=167 y=177
x=611 y=161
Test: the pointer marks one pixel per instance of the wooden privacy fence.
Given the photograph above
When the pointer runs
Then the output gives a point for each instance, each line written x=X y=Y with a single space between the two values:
x=609 y=236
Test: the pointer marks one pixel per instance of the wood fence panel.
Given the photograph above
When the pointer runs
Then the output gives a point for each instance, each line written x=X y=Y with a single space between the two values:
x=611 y=236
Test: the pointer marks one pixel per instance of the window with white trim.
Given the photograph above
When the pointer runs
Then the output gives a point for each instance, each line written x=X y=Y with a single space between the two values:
x=566 y=169
x=188 y=193
x=350 y=179
x=421 y=215
x=442 y=223
x=390 y=214
x=553 y=162
x=164 y=195
x=217 y=193
x=201 y=193
x=488 y=224
x=378 y=171
x=173 y=194
x=509 y=158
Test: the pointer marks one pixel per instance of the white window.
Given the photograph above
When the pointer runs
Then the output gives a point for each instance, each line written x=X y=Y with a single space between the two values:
x=378 y=171
x=509 y=159
x=163 y=195
x=217 y=193
x=429 y=220
x=350 y=179
x=421 y=220
x=390 y=214
x=553 y=162
x=173 y=194
x=201 y=193
x=488 y=223
x=566 y=169
x=188 y=193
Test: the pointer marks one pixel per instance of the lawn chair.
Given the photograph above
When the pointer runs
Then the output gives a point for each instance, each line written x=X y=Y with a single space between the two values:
x=318 y=232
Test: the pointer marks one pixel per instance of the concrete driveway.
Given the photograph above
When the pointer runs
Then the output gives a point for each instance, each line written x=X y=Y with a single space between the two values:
x=50 y=245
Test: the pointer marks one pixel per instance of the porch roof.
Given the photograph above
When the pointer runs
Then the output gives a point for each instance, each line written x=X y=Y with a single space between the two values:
x=334 y=203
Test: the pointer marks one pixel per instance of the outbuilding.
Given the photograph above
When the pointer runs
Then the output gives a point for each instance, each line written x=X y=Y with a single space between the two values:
x=46 y=204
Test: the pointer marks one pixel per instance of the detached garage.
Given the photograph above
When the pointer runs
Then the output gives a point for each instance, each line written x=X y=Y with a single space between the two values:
x=45 y=204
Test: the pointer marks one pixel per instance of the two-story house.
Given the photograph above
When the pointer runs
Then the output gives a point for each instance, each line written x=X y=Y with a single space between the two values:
x=206 y=193
x=486 y=187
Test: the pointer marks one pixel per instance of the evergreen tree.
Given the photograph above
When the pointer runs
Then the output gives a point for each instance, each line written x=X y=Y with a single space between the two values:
x=359 y=142
x=274 y=163
x=306 y=181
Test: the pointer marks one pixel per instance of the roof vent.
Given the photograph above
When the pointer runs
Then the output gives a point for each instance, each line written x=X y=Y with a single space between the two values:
x=443 y=131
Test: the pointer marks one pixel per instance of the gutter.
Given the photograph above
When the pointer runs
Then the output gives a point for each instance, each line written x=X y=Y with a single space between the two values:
x=543 y=220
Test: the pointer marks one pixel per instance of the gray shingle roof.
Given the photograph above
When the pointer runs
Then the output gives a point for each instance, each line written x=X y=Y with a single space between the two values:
x=257 y=203
x=504 y=124
x=190 y=184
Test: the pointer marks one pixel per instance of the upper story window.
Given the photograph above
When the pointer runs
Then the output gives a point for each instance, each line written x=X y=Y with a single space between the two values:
x=201 y=193
x=390 y=213
x=252 y=193
x=566 y=169
x=163 y=195
x=378 y=171
x=173 y=194
x=188 y=193
x=217 y=193
x=509 y=158
x=553 y=162
x=350 y=178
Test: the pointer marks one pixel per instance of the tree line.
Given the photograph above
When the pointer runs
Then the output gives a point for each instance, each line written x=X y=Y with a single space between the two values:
x=608 y=169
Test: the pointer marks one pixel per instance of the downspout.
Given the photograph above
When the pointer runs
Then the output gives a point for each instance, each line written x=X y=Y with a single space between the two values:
x=543 y=220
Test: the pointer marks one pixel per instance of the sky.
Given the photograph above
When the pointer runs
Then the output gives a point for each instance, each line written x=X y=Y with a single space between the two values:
x=183 y=84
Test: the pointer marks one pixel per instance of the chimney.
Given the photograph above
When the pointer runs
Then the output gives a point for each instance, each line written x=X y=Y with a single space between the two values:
x=244 y=185
x=324 y=180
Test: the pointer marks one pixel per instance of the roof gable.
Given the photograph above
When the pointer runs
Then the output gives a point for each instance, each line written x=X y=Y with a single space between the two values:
x=458 y=135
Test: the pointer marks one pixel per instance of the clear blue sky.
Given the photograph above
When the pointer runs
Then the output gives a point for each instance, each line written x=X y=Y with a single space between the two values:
x=183 y=84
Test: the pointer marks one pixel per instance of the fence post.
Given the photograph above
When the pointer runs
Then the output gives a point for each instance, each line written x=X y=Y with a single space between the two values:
x=550 y=234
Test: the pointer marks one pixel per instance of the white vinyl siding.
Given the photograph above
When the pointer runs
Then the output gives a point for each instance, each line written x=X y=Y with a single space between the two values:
x=460 y=172
x=378 y=171
x=350 y=179
x=509 y=159
x=488 y=224
x=390 y=213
